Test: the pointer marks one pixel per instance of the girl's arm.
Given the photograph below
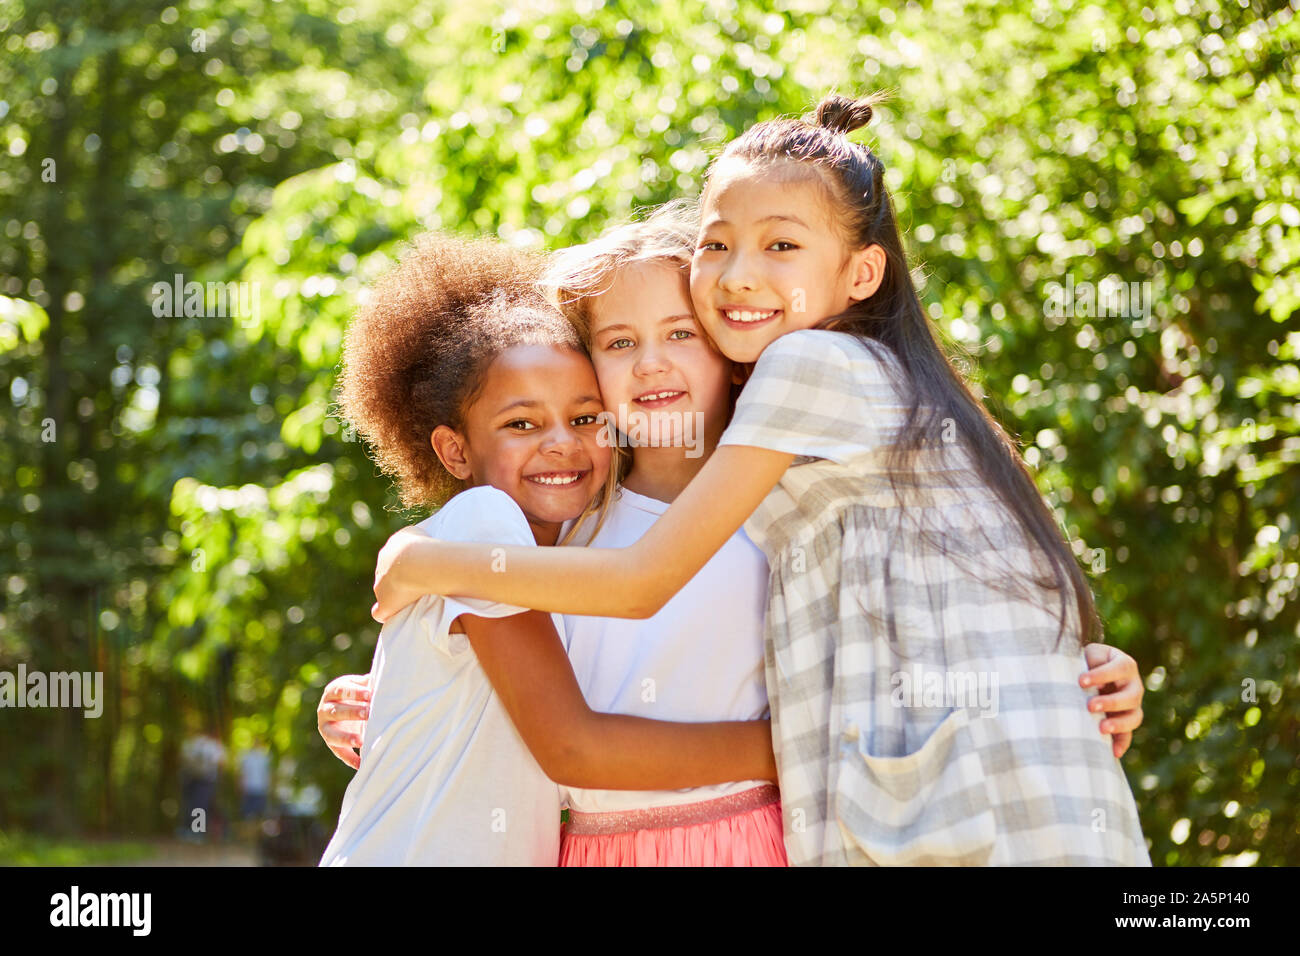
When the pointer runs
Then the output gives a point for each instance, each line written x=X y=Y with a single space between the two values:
x=575 y=746
x=345 y=703
x=633 y=582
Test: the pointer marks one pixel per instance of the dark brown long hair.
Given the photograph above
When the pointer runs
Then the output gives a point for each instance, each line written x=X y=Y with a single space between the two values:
x=937 y=396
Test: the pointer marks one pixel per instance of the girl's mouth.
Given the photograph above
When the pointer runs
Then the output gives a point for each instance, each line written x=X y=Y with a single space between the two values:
x=557 y=479
x=747 y=318
x=659 y=399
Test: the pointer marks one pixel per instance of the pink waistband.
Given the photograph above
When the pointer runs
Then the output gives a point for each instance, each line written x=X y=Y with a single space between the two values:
x=681 y=815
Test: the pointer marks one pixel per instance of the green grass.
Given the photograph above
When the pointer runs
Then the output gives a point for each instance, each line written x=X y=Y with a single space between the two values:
x=24 y=849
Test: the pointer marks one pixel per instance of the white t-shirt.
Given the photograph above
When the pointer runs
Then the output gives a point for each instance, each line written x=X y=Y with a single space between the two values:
x=445 y=778
x=699 y=659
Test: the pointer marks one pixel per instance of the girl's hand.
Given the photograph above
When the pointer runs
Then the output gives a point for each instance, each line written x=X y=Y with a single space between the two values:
x=394 y=589
x=341 y=715
x=1116 y=675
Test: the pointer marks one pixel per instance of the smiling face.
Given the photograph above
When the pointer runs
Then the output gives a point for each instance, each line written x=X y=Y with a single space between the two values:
x=532 y=432
x=651 y=357
x=771 y=258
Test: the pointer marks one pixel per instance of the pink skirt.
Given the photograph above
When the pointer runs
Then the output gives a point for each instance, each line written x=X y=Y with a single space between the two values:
x=741 y=829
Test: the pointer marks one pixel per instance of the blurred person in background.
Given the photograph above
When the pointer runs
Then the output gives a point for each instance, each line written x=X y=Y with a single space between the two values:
x=202 y=757
x=254 y=782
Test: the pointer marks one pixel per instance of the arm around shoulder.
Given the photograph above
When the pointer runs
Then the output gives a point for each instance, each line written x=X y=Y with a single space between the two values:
x=631 y=582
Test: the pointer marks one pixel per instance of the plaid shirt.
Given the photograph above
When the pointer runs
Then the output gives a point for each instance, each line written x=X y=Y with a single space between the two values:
x=924 y=711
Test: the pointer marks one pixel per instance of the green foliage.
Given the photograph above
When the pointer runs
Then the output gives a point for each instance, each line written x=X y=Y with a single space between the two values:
x=30 y=850
x=202 y=529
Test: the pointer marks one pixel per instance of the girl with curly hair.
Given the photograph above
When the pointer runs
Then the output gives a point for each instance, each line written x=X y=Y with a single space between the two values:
x=477 y=396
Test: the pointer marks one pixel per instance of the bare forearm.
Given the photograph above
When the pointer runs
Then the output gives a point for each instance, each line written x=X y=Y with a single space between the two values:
x=631 y=582
x=599 y=582
x=617 y=752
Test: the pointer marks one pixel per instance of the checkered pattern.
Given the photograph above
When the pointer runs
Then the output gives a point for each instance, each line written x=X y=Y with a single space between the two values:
x=889 y=605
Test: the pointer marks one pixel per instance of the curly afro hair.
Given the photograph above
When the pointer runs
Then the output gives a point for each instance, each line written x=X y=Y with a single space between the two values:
x=417 y=351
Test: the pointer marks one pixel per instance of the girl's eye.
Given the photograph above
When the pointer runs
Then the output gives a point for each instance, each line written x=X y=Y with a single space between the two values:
x=782 y=242
x=686 y=333
x=711 y=246
x=587 y=420
x=528 y=426
x=615 y=344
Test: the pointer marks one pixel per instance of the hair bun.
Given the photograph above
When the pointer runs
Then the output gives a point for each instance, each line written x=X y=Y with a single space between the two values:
x=842 y=114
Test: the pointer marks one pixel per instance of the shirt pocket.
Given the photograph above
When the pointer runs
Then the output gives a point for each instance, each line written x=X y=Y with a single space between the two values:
x=927 y=808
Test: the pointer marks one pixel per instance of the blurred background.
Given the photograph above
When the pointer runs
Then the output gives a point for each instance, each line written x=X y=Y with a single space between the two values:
x=183 y=513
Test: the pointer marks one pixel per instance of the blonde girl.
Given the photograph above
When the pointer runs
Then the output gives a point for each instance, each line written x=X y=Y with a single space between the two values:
x=477 y=396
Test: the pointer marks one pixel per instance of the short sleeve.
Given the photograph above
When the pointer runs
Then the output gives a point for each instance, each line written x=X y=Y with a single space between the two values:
x=818 y=394
x=486 y=515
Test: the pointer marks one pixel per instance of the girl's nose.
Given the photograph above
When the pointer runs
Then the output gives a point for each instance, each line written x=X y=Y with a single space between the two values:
x=736 y=274
x=651 y=361
x=561 y=438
